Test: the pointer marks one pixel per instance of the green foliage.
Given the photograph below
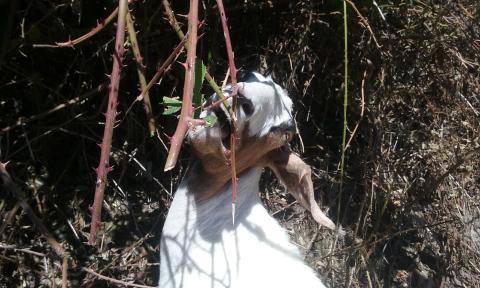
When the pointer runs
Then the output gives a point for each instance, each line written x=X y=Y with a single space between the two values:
x=172 y=105
x=197 y=99
x=210 y=120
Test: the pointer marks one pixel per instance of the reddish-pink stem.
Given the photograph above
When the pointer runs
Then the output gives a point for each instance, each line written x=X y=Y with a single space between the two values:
x=228 y=43
x=233 y=79
x=187 y=109
x=103 y=166
x=72 y=43
x=161 y=69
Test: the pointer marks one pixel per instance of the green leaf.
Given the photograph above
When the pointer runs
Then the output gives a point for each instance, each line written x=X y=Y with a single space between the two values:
x=171 y=101
x=197 y=99
x=210 y=120
x=172 y=105
x=169 y=110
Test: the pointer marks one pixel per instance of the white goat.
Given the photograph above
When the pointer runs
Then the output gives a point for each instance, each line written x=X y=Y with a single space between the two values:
x=200 y=246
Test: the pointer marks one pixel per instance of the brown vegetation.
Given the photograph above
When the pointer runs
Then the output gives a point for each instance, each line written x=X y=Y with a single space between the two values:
x=411 y=186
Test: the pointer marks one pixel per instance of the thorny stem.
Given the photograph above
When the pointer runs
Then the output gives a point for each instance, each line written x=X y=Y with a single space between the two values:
x=23 y=120
x=233 y=137
x=141 y=73
x=160 y=70
x=233 y=78
x=103 y=166
x=187 y=109
x=228 y=42
x=178 y=49
x=113 y=280
x=213 y=105
x=172 y=20
x=72 y=43
x=174 y=23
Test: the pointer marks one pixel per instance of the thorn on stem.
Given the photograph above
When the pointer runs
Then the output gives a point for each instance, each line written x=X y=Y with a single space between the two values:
x=3 y=166
x=184 y=64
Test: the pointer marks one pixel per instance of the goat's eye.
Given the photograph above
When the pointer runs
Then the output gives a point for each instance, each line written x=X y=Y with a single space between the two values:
x=248 y=108
x=247 y=105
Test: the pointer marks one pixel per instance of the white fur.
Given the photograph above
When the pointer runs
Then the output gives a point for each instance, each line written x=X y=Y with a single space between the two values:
x=272 y=104
x=201 y=248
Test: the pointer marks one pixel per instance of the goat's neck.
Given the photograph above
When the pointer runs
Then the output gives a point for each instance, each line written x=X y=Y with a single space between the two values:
x=213 y=214
x=204 y=183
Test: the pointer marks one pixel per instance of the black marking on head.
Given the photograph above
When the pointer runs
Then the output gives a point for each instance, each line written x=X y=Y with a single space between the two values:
x=284 y=127
x=250 y=77
x=246 y=104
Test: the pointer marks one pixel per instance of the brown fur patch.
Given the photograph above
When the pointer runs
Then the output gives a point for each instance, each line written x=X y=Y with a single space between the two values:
x=210 y=172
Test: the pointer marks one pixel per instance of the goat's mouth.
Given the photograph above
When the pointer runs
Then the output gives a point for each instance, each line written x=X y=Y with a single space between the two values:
x=224 y=124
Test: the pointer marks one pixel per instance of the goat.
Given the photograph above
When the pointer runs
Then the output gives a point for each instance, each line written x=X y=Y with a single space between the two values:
x=200 y=246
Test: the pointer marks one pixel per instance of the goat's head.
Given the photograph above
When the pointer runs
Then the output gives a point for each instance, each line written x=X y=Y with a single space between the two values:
x=265 y=126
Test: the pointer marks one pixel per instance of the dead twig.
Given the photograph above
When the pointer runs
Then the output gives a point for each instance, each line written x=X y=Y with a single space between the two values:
x=385 y=237
x=23 y=250
x=362 y=108
x=365 y=22
x=8 y=218
x=65 y=272
x=103 y=166
x=90 y=271
x=11 y=187
x=310 y=243
x=284 y=208
x=24 y=120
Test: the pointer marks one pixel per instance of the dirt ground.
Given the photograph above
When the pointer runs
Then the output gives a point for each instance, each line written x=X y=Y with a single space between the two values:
x=408 y=197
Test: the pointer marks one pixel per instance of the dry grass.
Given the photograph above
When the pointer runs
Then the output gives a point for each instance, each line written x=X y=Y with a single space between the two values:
x=411 y=187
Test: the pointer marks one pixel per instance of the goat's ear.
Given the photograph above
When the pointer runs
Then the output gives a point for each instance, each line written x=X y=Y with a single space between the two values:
x=297 y=177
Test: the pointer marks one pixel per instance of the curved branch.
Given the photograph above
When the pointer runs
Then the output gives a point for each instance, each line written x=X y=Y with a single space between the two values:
x=72 y=43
